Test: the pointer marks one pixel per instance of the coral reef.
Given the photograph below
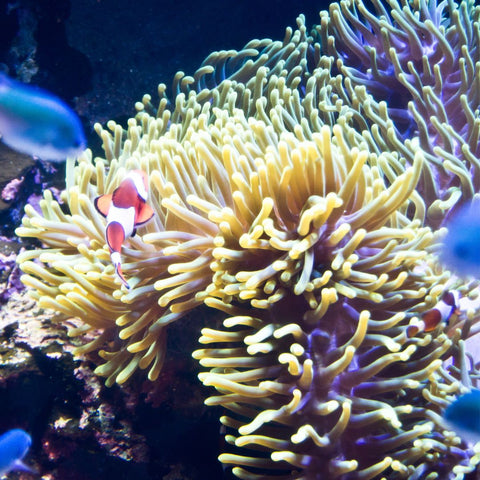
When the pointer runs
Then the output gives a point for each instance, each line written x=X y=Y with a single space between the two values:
x=79 y=427
x=56 y=398
x=290 y=197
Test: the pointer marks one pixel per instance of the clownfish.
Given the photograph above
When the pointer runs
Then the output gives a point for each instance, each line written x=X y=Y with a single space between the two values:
x=125 y=209
x=441 y=312
x=37 y=123
x=14 y=445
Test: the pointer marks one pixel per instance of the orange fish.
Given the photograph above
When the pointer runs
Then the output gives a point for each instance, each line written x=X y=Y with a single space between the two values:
x=441 y=312
x=125 y=209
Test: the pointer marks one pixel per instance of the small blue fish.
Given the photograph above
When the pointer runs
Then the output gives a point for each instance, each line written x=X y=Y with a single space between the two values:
x=463 y=416
x=460 y=251
x=35 y=122
x=14 y=445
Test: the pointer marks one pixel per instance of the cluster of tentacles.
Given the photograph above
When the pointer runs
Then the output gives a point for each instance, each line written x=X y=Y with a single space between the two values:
x=297 y=187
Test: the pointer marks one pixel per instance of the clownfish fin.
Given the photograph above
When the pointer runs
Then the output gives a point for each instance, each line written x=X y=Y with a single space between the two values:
x=412 y=330
x=145 y=213
x=115 y=256
x=134 y=232
x=103 y=203
x=118 y=270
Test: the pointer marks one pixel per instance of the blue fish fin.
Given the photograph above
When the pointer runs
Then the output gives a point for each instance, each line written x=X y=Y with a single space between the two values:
x=19 y=465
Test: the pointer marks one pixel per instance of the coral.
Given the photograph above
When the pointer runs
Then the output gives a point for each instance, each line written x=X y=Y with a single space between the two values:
x=9 y=276
x=285 y=198
x=59 y=400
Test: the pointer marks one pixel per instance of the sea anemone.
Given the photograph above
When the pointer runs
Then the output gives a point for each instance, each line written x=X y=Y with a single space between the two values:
x=418 y=61
x=321 y=271
x=283 y=197
x=169 y=264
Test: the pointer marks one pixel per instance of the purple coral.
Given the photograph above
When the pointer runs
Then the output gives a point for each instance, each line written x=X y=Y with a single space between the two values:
x=10 y=277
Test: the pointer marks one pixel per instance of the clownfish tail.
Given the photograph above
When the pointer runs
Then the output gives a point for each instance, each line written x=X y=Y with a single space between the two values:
x=115 y=256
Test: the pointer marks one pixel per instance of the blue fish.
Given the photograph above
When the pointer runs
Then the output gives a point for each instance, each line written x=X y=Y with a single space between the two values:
x=460 y=251
x=35 y=122
x=463 y=416
x=14 y=445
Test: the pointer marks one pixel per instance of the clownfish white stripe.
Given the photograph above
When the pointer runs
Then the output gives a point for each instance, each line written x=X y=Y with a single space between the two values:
x=124 y=216
x=445 y=310
x=139 y=185
x=116 y=258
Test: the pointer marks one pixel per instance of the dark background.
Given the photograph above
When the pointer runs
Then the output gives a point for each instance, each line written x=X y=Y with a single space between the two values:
x=103 y=55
